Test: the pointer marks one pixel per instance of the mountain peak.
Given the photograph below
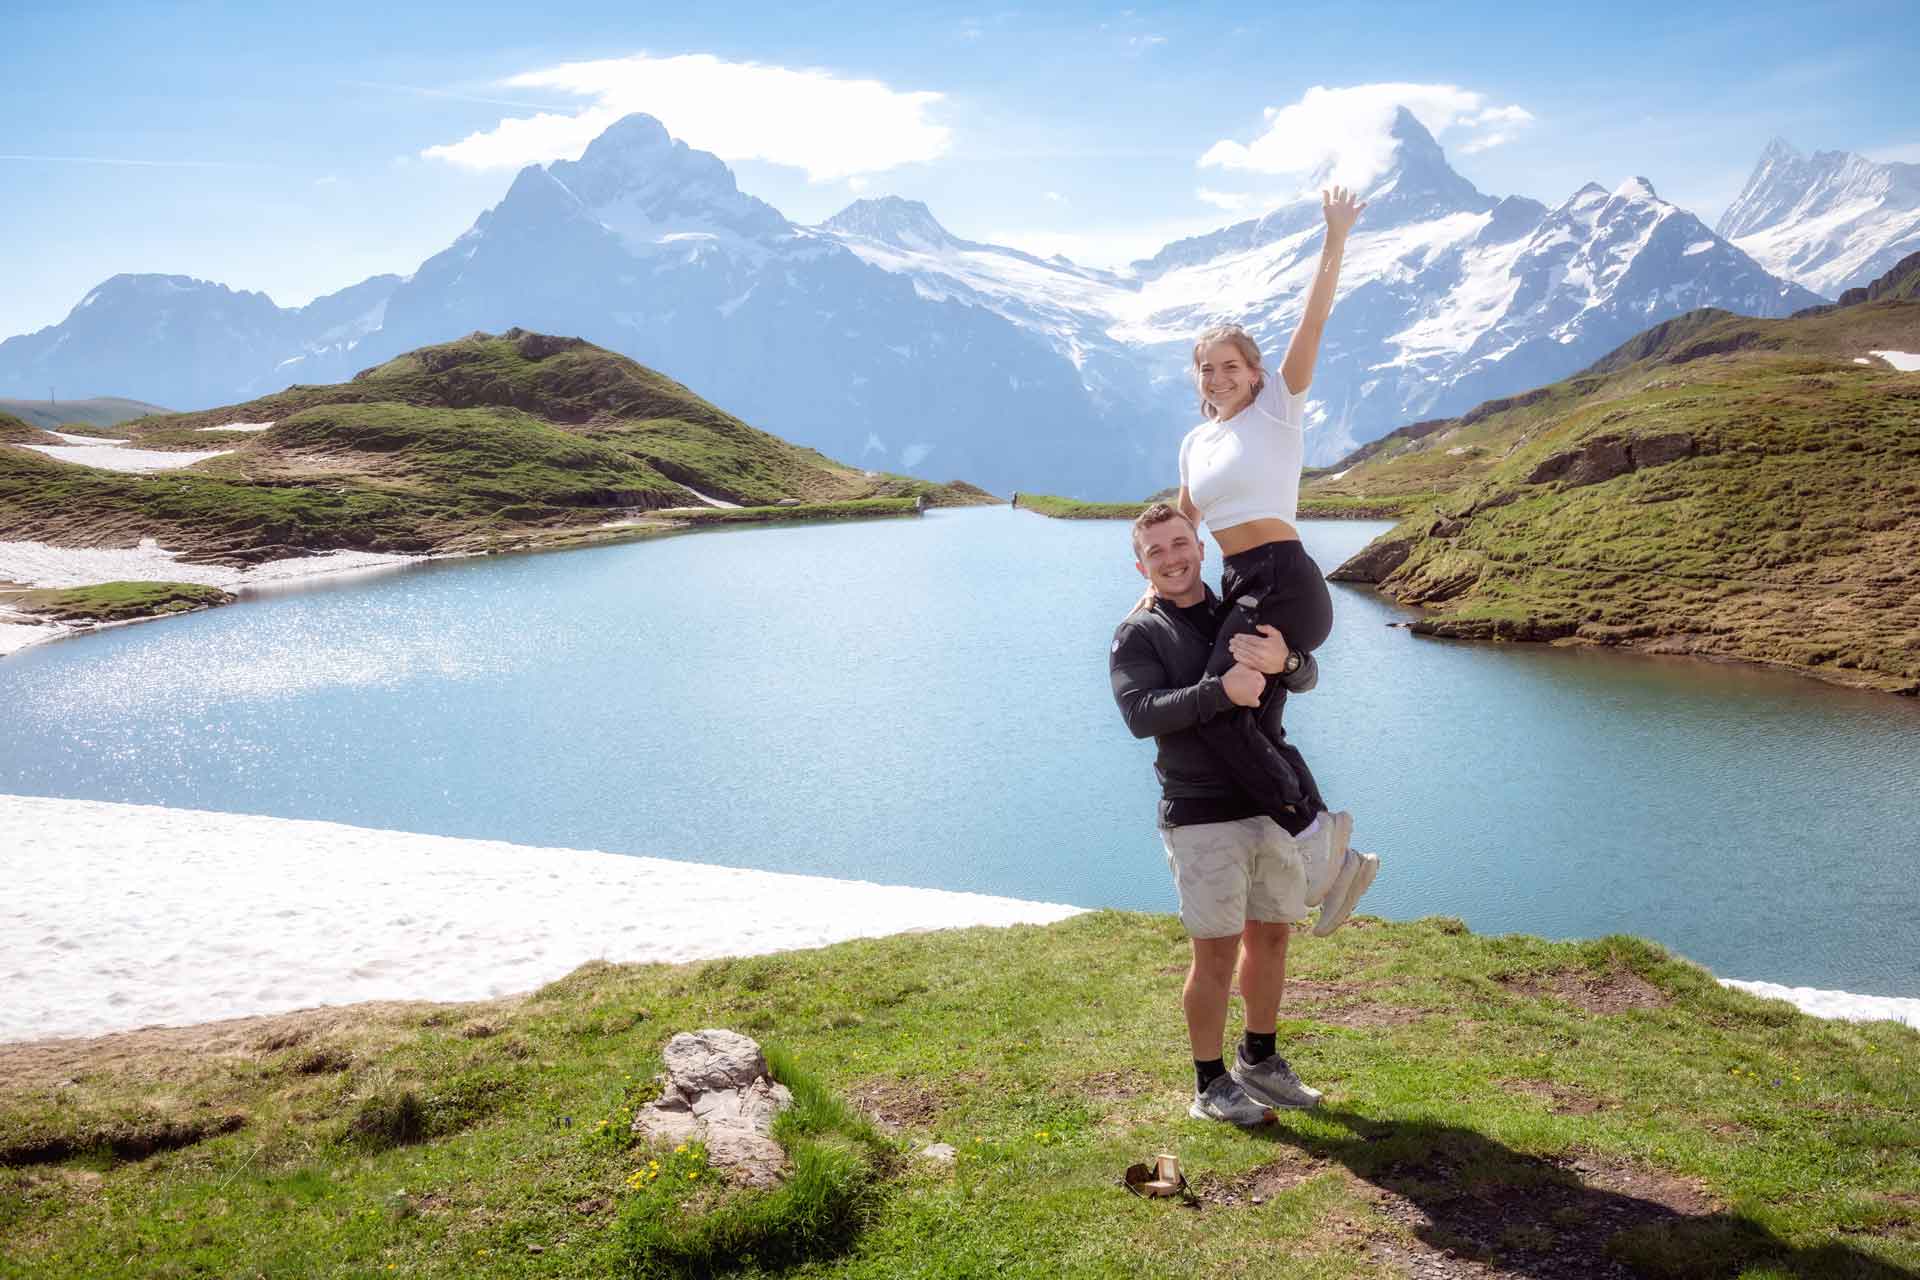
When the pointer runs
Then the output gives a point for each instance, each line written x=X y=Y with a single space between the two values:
x=1419 y=183
x=1635 y=188
x=905 y=224
x=643 y=183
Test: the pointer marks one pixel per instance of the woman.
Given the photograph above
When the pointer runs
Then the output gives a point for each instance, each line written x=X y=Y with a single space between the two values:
x=1240 y=474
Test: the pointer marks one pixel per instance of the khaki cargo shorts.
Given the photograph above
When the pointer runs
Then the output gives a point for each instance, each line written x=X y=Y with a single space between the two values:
x=1231 y=872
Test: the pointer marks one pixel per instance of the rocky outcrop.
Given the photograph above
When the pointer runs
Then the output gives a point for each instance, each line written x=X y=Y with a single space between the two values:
x=718 y=1092
x=1375 y=561
x=1605 y=457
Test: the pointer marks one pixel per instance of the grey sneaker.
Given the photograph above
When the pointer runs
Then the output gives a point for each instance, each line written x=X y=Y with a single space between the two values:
x=1355 y=877
x=1224 y=1099
x=1271 y=1081
x=1324 y=853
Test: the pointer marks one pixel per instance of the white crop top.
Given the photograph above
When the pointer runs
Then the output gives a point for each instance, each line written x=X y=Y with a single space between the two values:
x=1248 y=466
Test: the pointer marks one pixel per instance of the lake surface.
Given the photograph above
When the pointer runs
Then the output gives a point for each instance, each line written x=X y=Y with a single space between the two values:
x=926 y=702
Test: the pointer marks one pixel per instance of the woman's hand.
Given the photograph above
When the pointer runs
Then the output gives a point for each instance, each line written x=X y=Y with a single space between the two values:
x=1342 y=209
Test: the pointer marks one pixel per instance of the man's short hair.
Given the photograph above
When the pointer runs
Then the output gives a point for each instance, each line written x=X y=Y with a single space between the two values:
x=1158 y=513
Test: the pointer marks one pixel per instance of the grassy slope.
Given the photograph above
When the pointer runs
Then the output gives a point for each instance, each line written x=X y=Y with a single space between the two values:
x=1536 y=1104
x=465 y=446
x=101 y=411
x=15 y=431
x=1786 y=531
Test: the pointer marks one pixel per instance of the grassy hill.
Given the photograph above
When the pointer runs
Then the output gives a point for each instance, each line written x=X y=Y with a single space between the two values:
x=484 y=443
x=100 y=411
x=1739 y=488
x=18 y=431
x=1496 y=1107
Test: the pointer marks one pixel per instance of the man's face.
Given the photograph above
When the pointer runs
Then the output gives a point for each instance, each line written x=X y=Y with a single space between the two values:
x=1169 y=558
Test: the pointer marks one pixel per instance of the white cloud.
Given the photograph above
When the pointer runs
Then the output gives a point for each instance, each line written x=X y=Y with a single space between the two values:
x=1345 y=130
x=811 y=119
x=1909 y=154
x=1054 y=197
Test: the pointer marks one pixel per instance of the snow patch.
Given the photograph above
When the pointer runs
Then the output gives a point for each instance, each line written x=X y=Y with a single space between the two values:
x=123 y=458
x=258 y=915
x=1904 y=361
x=1844 y=1005
x=238 y=426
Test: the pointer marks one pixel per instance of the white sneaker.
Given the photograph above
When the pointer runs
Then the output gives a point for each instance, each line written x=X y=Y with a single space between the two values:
x=1324 y=851
x=1355 y=876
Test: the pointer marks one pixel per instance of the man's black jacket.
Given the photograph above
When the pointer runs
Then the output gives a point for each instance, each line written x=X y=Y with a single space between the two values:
x=1158 y=664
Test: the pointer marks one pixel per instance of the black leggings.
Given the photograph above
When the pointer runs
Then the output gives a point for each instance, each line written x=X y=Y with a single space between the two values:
x=1277 y=584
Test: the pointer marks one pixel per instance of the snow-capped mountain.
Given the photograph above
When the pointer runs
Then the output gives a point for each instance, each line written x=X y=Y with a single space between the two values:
x=1831 y=221
x=1448 y=296
x=882 y=338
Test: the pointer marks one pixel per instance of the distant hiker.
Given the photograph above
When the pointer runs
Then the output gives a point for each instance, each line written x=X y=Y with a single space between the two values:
x=1243 y=880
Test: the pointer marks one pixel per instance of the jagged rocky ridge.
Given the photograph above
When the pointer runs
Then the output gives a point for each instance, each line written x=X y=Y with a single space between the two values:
x=1831 y=221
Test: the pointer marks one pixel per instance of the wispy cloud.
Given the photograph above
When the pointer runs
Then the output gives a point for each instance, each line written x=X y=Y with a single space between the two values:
x=138 y=164
x=1908 y=154
x=454 y=95
x=1345 y=131
x=1054 y=197
x=830 y=126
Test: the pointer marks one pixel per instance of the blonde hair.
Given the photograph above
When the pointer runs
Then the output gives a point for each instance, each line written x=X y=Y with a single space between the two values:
x=1249 y=351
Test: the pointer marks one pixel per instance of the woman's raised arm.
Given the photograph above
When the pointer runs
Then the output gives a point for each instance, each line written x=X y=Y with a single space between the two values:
x=1342 y=208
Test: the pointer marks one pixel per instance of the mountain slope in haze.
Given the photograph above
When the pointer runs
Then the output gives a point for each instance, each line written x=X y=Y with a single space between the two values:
x=1720 y=485
x=460 y=446
x=1831 y=221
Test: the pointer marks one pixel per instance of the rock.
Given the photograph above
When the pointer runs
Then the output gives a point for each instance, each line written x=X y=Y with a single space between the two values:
x=789 y=502
x=717 y=1092
x=1374 y=561
x=1447 y=527
x=1599 y=461
x=939 y=1153
x=1658 y=451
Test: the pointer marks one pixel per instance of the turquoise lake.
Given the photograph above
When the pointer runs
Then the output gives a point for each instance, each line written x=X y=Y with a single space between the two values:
x=925 y=702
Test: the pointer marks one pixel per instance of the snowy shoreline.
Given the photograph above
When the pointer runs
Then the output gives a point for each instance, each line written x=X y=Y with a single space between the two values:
x=192 y=916
x=37 y=564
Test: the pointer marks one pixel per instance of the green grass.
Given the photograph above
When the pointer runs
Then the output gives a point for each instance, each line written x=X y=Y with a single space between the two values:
x=1058 y=508
x=1475 y=1084
x=114 y=601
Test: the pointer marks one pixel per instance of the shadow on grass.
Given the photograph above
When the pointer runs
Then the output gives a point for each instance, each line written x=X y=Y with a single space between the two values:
x=1477 y=1201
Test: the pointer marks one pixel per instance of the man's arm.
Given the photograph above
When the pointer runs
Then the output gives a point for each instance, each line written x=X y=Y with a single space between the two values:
x=1148 y=704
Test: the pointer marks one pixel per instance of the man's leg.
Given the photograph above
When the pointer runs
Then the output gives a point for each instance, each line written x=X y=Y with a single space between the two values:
x=1263 y=972
x=1209 y=863
x=1209 y=987
x=1277 y=884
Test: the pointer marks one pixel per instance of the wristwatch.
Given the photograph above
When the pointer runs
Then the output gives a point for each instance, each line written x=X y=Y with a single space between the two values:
x=1292 y=664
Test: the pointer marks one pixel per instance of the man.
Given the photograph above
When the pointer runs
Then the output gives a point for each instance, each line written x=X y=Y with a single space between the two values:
x=1243 y=880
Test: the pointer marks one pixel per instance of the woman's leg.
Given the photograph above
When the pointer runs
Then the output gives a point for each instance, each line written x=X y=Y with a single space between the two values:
x=1278 y=585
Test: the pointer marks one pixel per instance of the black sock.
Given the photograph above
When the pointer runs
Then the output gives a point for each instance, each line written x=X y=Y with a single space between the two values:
x=1205 y=1073
x=1256 y=1047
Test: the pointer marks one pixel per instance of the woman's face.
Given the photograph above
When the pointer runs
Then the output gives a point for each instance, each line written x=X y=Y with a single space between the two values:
x=1226 y=379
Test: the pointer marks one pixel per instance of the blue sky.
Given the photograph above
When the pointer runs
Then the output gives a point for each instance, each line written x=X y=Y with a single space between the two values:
x=297 y=149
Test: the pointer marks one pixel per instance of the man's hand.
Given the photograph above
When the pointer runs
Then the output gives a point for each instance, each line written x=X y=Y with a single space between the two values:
x=1266 y=652
x=1244 y=685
